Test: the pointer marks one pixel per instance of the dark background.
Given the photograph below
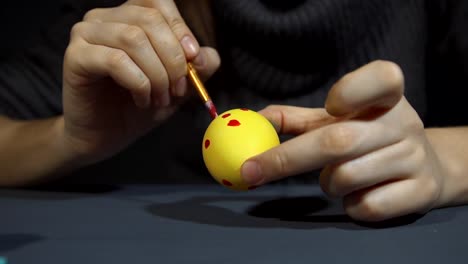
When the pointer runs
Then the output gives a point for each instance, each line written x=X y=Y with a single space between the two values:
x=22 y=21
x=447 y=69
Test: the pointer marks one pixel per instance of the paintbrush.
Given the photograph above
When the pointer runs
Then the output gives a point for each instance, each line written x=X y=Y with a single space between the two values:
x=193 y=76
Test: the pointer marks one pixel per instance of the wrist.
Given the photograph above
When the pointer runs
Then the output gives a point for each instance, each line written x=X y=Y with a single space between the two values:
x=69 y=158
x=34 y=151
x=453 y=165
x=74 y=153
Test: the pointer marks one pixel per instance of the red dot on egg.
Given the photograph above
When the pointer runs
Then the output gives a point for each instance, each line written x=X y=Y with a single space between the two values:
x=234 y=122
x=207 y=143
x=226 y=115
x=227 y=183
x=244 y=109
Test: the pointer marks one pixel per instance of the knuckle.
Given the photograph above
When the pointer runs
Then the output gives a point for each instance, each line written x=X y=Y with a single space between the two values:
x=133 y=37
x=432 y=190
x=77 y=29
x=179 y=59
x=177 y=23
x=370 y=210
x=177 y=64
x=413 y=153
x=280 y=162
x=338 y=140
x=416 y=125
x=70 y=53
x=418 y=154
x=117 y=58
x=409 y=120
x=161 y=82
x=342 y=180
x=92 y=15
x=151 y=16
x=73 y=60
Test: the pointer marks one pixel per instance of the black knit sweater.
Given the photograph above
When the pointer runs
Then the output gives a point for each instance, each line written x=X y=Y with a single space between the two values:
x=273 y=51
x=295 y=50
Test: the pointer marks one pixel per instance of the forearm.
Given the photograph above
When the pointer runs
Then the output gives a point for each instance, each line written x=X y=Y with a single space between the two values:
x=451 y=147
x=32 y=151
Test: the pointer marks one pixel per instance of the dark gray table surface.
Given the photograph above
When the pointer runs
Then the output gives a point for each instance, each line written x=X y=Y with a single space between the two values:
x=210 y=224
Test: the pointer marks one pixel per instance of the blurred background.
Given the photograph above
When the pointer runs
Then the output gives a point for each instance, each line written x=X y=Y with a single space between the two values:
x=447 y=57
x=21 y=21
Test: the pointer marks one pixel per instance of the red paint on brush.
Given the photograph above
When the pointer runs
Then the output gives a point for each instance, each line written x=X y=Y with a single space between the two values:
x=212 y=109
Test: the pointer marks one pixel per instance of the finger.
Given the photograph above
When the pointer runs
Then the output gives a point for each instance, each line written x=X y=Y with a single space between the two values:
x=96 y=61
x=175 y=21
x=296 y=120
x=134 y=42
x=377 y=85
x=207 y=62
x=392 y=200
x=391 y=163
x=317 y=148
x=160 y=35
x=206 y=66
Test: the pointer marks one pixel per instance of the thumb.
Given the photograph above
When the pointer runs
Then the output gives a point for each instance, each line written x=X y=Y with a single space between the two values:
x=207 y=62
x=377 y=85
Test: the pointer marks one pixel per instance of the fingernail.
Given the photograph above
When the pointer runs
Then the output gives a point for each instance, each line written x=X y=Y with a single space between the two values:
x=164 y=99
x=181 y=86
x=251 y=173
x=199 y=60
x=190 y=46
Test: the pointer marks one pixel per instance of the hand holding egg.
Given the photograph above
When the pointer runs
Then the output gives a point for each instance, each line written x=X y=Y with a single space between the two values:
x=232 y=138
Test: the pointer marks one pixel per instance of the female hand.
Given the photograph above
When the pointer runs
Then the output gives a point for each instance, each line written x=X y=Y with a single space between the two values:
x=125 y=72
x=369 y=141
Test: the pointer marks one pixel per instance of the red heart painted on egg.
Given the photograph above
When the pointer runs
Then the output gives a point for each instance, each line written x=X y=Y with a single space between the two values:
x=234 y=122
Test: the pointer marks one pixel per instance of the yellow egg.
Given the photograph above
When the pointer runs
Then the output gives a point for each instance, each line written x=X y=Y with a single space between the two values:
x=232 y=138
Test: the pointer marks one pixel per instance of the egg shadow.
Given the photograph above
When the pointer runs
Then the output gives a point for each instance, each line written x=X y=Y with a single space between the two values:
x=304 y=212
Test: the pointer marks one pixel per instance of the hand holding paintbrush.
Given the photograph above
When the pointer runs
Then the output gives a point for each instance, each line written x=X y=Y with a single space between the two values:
x=193 y=76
